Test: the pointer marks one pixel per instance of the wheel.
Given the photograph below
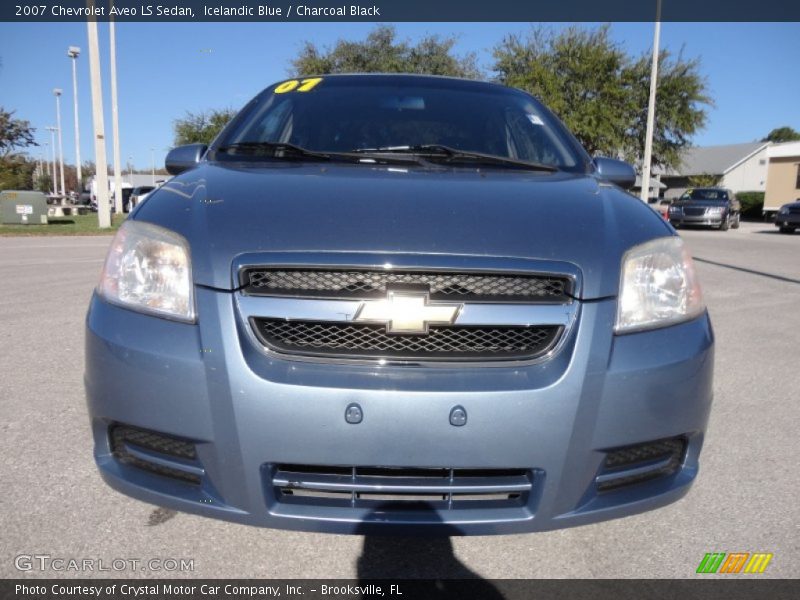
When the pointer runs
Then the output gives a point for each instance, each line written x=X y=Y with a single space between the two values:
x=735 y=224
x=725 y=224
x=787 y=229
x=675 y=224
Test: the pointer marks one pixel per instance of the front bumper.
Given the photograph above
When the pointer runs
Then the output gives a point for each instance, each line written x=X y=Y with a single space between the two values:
x=787 y=220
x=708 y=220
x=247 y=412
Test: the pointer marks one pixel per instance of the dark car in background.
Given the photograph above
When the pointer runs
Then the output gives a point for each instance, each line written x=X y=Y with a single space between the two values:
x=388 y=303
x=712 y=207
x=787 y=218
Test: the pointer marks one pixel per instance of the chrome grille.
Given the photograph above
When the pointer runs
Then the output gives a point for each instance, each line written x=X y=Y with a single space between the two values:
x=400 y=488
x=372 y=341
x=364 y=284
x=694 y=211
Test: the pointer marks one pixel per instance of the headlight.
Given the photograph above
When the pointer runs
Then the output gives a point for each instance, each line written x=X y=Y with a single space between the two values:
x=658 y=286
x=674 y=209
x=148 y=269
x=784 y=210
x=714 y=210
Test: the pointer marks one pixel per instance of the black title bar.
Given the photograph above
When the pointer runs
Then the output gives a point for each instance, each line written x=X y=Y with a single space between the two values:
x=377 y=11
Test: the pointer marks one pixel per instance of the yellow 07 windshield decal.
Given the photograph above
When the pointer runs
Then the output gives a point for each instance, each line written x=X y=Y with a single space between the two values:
x=297 y=85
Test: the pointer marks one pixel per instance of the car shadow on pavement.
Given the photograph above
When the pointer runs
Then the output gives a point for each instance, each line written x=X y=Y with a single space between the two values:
x=744 y=270
x=422 y=556
x=775 y=232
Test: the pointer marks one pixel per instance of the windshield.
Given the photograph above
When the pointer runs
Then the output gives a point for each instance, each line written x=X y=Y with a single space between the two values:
x=705 y=194
x=400 y=114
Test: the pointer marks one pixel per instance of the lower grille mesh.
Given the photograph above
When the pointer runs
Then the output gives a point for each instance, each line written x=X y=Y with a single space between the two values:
x=372 y=341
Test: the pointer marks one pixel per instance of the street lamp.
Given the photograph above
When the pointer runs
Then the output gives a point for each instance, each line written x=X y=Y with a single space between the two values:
x=130 y=170
x=153 y=164
x=57 y=94
x=73 y=52
x=52 y=131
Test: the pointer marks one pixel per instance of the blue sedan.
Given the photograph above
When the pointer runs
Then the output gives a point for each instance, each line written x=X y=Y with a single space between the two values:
x=394 y=303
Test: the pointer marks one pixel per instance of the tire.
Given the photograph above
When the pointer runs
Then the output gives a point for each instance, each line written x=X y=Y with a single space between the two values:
x=725 y=224
x=735 y=224
x=787 y=229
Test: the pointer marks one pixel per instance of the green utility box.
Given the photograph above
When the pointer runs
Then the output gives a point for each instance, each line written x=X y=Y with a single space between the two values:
x=23 y=208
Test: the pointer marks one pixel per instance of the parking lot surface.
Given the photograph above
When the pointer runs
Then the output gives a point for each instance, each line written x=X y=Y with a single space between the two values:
x=745 y=499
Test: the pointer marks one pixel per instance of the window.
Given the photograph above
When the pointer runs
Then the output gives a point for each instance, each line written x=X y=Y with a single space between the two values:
x=797 y=182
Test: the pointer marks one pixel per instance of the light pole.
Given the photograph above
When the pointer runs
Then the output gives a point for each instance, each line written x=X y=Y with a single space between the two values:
x=115 y=118
x=52 y=131
x=57 y=94
x=101 y=177
x=73 y=52
x=153 y=164
x=130 y=170
x=651 y=109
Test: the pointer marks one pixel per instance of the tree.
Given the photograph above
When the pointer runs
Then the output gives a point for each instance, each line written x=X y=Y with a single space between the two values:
x=202 y=127
x=44 y=183
x=382 y=52
x=16 y=172
x=14 y=133
x=782 y=134
x=16 y=169
x=601 y=92
x=704 y=180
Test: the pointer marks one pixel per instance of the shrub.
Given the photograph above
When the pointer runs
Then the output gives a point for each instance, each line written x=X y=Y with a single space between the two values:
x=752 y=203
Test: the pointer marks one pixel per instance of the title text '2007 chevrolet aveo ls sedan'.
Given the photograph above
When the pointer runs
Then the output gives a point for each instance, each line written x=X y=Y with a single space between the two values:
x=394 y=303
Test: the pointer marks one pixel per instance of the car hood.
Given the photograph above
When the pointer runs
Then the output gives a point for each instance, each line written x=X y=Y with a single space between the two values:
x=229 y=210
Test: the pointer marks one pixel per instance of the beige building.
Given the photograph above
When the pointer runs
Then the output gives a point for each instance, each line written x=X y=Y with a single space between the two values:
x=783 y=176
x=738 y=167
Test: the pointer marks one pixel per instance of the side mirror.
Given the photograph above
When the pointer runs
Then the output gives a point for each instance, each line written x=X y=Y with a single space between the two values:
x=615 y=171
x=183 y=158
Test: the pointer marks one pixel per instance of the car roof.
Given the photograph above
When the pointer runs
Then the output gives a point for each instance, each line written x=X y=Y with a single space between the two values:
x=443 y=81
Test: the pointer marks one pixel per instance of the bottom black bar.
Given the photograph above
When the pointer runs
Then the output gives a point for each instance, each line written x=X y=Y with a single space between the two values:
x=744 y=587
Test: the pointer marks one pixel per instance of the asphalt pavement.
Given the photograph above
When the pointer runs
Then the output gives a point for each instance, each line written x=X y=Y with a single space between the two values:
x=54 y=503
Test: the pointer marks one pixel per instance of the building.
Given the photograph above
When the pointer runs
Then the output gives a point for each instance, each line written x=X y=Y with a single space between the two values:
x=783 y=176
x=738 y=167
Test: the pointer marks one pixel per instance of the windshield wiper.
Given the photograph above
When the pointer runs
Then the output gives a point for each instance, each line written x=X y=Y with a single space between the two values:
x=273 y=150
x=287 y=150
x=440 y=151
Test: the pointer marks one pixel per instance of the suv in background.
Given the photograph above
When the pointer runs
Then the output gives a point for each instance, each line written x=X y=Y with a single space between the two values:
x=715 y=207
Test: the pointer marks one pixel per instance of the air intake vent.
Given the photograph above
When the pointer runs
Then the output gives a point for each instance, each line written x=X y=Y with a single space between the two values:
x=156 y=453
x=401 y=488
x=635 y=464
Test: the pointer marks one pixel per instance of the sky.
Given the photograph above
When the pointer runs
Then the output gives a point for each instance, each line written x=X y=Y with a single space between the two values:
x=167 y=69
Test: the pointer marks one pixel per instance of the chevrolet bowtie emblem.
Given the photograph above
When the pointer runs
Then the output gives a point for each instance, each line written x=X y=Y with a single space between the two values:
x=407 y=312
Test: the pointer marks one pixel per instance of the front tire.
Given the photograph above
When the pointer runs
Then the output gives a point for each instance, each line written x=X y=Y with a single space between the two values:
x=725 y=224
x=787 y=229
x=735 y=224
